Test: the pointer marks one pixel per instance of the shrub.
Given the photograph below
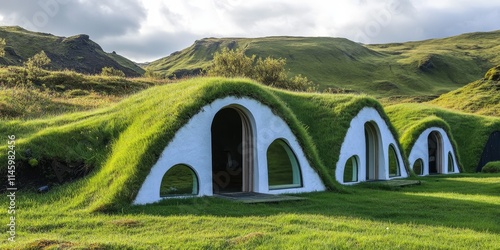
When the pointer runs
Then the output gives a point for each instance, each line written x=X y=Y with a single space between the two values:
x=2 y=47
x=270 y=71
x=231 y=63
x=110 y=71
x=301 y=83
x=491 y=167
x=16 y=76
x=35 y=64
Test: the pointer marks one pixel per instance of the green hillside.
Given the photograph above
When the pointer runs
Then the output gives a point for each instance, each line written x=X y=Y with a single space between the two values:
x=77 y=53
x=424 y=68
x=480 y=97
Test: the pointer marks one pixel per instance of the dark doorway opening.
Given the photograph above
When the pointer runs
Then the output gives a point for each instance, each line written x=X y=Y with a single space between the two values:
x=491 y=151
x=435 y=148
x=372 y=142
x=232 y=156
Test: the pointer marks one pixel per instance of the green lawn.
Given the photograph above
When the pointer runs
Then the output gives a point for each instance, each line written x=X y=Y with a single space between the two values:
x=450 y=212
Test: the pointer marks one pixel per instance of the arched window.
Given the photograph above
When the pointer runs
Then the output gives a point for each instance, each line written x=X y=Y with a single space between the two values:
x=351 y=170
x=394 y=169
x=282 y=166
x=179 y=180
x=451 y=164
x=418 y=167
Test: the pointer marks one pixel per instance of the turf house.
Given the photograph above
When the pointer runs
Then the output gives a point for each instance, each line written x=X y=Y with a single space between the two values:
x=433 y=153
x=210 y=136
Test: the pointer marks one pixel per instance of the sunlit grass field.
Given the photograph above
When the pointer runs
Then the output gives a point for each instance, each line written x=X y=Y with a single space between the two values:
x=444 y=212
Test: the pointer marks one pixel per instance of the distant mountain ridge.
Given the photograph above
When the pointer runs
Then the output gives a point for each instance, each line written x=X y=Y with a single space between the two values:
x=429 y=67
x=77 y=53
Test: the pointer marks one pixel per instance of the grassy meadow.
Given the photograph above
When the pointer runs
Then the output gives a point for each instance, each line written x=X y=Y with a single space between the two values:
x=444 y=212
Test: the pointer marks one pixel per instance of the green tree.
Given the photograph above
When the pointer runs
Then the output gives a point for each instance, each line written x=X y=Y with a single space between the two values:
x=110 y=71
x=2 y=47
x=35 y=64
x=271 y=71
x=231 y=63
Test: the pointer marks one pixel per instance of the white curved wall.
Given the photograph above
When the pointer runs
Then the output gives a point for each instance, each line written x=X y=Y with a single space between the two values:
x=354 y=144
x=420 y=151
x=192 y=146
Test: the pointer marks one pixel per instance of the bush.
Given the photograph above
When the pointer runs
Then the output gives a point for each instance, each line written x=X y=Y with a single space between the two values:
x=231 y=63
x=491 y=167
x=110 y=71
x=301 y=83
x=16 y=76
x=35 y=64
x=268 y=71
x=2 y=47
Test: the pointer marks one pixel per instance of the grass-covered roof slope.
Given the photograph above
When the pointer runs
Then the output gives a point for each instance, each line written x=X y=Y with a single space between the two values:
x=467 y=132
x=123 y=141
x=480 y=97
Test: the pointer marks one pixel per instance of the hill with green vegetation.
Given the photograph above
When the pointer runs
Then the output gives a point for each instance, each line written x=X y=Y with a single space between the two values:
x=479 y=97
x=423 y=68
x=60 y=92
x=77 y=53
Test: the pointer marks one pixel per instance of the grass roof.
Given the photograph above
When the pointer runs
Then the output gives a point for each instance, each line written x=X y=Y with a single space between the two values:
x=467 y=132
x=123 y=141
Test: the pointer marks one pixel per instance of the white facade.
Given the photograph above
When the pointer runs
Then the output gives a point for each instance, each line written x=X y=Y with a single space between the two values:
x=420 y=150
x=354 y=144
x=191 y=146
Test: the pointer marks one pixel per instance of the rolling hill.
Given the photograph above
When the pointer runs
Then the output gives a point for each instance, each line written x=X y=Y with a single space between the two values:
x=77 y=53
x=423 y=68
x=480 y=97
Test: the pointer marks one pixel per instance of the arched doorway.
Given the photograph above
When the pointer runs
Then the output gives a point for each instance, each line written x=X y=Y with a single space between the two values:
x=491 y=151
x=435 y=147
x=373 y=148
x=232 y=152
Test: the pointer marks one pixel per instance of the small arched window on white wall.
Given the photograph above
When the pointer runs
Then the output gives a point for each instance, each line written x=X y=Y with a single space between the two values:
x=451 y=164
x=394 y=170
x=179 y=180
x=282 y=166
x=351 y=170
x=418 y=167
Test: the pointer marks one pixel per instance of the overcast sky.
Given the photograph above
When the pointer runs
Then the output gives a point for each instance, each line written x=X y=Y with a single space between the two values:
x=145 y=30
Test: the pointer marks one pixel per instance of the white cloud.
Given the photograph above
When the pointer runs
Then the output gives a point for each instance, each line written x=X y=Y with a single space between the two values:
x=141 y=27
